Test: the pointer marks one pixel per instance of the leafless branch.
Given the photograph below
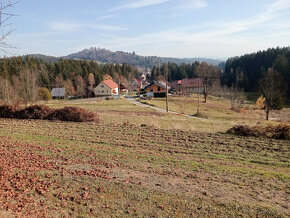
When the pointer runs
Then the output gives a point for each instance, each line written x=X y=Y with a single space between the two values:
x=4 y=25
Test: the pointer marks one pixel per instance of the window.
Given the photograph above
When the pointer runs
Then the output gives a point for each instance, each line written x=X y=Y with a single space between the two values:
x=151 y=90
x=158 y=89
x=107 y=91
x=102 y=91
x=102 y=86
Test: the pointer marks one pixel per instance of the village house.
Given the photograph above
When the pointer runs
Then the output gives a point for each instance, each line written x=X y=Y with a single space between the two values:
x=106 y=88
x=58 y=93
x=156 y=89
x=187 y=85
x=136 y=85
x=123 y=88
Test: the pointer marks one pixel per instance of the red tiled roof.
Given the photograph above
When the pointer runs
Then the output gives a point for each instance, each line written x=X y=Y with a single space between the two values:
x=110 y=83
x=191 y=83
x=139 y=81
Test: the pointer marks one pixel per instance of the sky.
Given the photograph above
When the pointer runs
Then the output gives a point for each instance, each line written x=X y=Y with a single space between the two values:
x=167 y=28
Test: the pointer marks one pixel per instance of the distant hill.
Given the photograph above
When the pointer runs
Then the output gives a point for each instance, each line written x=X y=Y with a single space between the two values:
x=107 y=56
x=45 y=58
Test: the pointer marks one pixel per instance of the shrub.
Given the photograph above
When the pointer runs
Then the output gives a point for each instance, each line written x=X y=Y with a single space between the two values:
x=281 y=131
x=44 y=94
x=42 y=112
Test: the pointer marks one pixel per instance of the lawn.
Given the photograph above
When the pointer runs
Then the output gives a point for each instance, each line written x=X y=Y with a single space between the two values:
x=171 y=166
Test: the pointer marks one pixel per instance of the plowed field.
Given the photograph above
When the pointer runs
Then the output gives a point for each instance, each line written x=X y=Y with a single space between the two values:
x=54 y=169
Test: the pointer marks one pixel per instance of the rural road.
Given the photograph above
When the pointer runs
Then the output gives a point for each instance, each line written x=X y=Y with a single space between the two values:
x=133 y=101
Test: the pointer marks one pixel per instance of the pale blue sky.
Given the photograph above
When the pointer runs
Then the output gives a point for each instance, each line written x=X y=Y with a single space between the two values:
x=172 y=28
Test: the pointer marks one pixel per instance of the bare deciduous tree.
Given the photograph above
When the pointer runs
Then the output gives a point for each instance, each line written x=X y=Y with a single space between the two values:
x=69 y=88
x=271 y=88
x=209 y=75
x=92 y=82
x=5 y=26
x=27 y=85
x=80 y=86
x=107 y=76
x=6 y=91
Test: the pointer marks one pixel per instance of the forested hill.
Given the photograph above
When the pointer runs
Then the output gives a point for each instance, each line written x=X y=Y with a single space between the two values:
x=107 y=56
x=251 y=67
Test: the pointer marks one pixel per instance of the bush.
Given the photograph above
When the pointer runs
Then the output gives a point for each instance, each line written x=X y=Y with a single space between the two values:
x=44 y=94
x=42 y=112
x=281 y=131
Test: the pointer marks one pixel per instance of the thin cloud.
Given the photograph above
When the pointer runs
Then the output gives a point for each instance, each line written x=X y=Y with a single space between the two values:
x=215 y=33
x=139 y=4
x=65 y=26
x=193 y=4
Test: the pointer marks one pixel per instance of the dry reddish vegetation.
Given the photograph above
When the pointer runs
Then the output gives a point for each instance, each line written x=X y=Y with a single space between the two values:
x=19 y=185
x=281 y=131
x=43 y=112
x=88 y=169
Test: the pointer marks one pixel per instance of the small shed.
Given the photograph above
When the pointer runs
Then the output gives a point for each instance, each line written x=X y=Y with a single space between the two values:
x=58 y=93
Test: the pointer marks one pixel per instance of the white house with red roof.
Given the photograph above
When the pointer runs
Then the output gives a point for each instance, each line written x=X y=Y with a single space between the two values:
x=106 y=88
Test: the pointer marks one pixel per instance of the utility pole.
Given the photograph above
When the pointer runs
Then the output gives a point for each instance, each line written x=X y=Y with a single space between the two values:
x=197 y=112
x=119 y=87
x=166 y=84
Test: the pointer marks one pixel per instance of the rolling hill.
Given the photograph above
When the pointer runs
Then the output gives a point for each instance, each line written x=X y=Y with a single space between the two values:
x=107 y=56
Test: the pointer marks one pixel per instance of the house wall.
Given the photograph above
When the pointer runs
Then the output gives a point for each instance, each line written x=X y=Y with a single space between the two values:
x=104 y=90
x=154 y=89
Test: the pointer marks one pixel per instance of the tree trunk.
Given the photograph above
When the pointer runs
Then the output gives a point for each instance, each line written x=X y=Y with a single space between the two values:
x=267 y=113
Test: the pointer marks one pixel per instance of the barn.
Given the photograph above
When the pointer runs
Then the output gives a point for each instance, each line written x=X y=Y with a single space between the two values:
x=58 y=93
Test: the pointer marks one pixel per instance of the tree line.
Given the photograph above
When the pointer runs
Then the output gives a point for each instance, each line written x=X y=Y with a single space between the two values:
x=175 y=71
x=250 y=68
x=21 y=77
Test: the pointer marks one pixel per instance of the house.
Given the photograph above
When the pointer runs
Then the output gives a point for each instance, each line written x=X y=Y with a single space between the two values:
x=106 y=88
x=187 y=85
x=143 y=77
x=136 y=85
x=123 y=88
x=156 y=89
x=58 y=93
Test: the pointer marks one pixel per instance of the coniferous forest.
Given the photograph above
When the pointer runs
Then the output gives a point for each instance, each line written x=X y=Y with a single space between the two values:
x=247 y=70
x=63 y=69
